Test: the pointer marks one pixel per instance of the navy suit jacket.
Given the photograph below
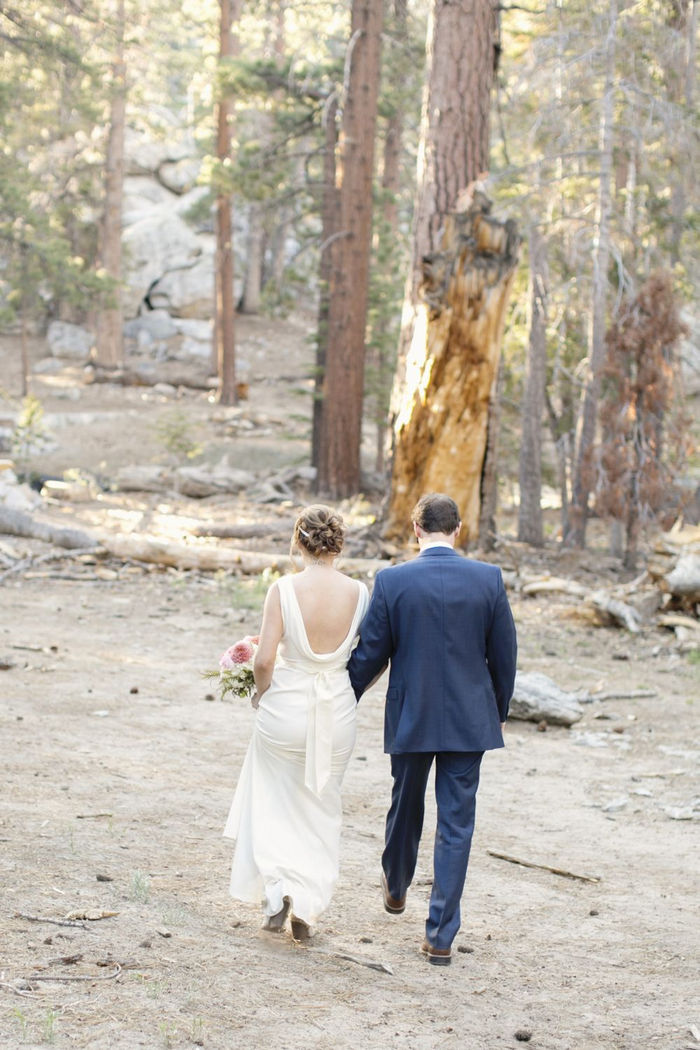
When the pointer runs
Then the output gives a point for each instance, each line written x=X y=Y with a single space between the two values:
x=444 y=624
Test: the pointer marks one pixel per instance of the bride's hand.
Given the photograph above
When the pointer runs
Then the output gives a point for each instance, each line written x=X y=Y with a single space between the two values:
x=255 y=700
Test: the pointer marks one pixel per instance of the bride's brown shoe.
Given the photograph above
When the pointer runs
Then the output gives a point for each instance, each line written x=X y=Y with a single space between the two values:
x=301 y=930
x=275 y=923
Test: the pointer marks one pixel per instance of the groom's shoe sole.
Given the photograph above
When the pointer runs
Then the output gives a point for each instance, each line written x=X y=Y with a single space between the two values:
x=391 y=904
x=436 y=956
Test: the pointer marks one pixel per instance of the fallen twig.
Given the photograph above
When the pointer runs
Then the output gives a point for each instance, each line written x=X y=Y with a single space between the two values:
x=636 y=694
x=25 y=993
x=77 y=977
x=544 y=867
x=27 y=563
x=369 y=963
x=54 y=922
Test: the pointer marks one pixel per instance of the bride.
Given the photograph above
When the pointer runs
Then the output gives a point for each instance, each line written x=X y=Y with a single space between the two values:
x=286 y=812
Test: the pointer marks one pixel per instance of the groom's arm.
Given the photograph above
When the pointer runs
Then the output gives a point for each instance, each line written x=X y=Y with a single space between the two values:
x=374 y=649
x=502 y=651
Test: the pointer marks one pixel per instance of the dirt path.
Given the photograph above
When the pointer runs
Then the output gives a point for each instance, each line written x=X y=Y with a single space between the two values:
x=118 y=775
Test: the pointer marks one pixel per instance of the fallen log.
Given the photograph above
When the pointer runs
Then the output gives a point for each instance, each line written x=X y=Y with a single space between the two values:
x=678 y=620
x=17 y=523
x=212 y=559
x=684 y=579
x=246 y=531
x=137 y=377
x=599 y=600
x=618 y=611
x=537 y=698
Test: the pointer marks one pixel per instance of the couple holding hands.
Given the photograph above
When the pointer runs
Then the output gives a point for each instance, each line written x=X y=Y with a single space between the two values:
x=443 y=625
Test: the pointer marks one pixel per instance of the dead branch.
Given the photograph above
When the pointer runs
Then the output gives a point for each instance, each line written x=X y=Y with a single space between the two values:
x=369 y=963
x=599 y=600
x=244 y=531
x=17 y=523
x=54 y=922
x=213 y=558
x=133 y=377
x=24 y=992
x=636 y=694
x=28 y=563
x=77 y=977
x=543 y=867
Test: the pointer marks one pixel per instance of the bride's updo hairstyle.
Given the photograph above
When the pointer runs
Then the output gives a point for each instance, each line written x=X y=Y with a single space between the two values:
x=318 y=530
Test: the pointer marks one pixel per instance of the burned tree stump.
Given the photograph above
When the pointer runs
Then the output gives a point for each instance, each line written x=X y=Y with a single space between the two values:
x=441 y=408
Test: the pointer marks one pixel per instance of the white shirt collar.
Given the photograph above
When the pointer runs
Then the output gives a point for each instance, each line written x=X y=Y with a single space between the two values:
x=437 y=543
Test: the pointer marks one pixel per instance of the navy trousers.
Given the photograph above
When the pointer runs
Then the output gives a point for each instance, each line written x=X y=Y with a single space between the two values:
x=456 y=783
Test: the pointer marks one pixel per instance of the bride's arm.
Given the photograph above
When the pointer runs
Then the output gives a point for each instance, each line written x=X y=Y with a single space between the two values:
x=270 y=635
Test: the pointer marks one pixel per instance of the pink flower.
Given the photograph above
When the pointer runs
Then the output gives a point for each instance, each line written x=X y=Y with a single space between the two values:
x=240 y=653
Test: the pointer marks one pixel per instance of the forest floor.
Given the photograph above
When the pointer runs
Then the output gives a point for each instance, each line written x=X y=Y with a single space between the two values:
x=116 y=928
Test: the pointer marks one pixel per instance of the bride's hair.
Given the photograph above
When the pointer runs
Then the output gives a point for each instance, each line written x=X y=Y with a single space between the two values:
x=318 y=530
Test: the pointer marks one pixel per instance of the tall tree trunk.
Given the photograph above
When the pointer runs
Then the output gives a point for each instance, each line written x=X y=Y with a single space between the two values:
x=460 y=279
x=489 y=475
x=339 y=459
x=109 y=337
x=224 y=328
x=582 y=482
x=329 y=230
x=252 y=285
x=530 y=511
x=391 y=187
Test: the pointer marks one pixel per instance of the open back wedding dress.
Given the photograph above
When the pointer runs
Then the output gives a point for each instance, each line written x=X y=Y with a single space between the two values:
x=286 y=812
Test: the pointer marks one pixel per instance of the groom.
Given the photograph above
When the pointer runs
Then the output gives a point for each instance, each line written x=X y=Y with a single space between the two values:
x=444 y=624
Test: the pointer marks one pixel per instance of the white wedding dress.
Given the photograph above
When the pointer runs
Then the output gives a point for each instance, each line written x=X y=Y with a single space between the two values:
x=286 y=812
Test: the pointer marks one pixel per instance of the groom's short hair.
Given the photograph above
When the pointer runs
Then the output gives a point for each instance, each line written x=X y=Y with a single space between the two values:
x=436 y=512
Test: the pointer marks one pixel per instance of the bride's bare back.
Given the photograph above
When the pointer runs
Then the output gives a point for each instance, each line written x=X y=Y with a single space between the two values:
x=327 y=601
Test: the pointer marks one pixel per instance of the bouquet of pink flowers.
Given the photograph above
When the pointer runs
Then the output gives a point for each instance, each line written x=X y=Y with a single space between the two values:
x=235 y=673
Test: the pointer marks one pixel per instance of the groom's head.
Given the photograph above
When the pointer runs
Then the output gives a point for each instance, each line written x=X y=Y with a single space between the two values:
x=436 y=513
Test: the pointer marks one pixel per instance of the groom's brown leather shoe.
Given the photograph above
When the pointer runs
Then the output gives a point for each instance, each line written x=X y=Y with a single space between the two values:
x=391 y=904
x=436 y=956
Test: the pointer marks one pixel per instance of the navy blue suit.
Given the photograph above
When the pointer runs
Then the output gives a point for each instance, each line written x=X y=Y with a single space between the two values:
x=443 y=623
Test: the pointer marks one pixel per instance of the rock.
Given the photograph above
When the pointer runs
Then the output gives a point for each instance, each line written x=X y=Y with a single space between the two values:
x=537 y=697
x=157 y=323
x=15 y=496
x=616 y=805
x=141 y=196
x=187 y=291
x=154 y=245
x=198 y=482
x=143 y=479
x=69 y=340
x=179 y=175
x=47 y=366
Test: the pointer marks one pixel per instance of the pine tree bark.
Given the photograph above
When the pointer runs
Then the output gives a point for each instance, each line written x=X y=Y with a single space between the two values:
x=462 y=270
x=583 y=481
x=530 y=510
x=391 y=187
x=341 y=423
x=489 y=475
x=224 y=327
x=252 y=285
x=109 y=338
x=329 y=228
